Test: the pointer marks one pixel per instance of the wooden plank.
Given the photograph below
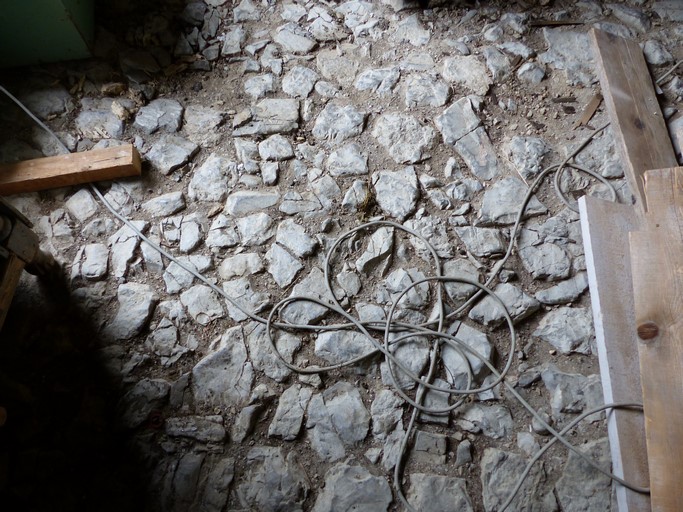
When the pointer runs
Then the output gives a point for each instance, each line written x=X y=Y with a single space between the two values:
x=70 y=169
x=605 y=228
x=657 y=268
x=10 y=273
x=638 y=125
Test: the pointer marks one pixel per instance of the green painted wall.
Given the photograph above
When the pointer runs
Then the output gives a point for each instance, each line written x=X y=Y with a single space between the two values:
x=35 y=31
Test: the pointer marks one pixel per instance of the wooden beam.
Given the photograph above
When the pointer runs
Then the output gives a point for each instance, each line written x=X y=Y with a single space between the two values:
x=10 y=273
x=657 y=267
x=71 y=169
x=638 y=125
x=605 y=228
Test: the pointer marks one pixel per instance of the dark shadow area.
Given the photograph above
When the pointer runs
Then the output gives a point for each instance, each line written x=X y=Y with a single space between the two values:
x=60 y=448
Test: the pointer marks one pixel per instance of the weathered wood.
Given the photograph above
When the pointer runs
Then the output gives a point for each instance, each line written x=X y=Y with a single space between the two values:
x=657 y=268
x=70 y=169
x=638 y=125
x=605 y=228
x=10 y=273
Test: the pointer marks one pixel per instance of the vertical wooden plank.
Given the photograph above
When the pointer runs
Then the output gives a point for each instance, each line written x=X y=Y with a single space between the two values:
x=605 y=228
x=10 y=273
x=657 y=268
x=639 y=128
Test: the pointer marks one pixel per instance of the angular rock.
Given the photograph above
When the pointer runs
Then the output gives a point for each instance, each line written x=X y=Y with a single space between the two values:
x=377 y=255
x=165 y=205
x=91 y=262
x=426 y=91
x=145 y=396
x=492 y=420
x=632 y=16
x=437 y=493
x=347 y=412
x=453 y=361
x=357 y=196
x=233 y=41
x=564 y=292
x=386 y=413
x=432 y=228
x=381 y=81
x=338 y=122
x=339 y=68
x=413 y=354
x=410 y=30
x=82 y=205
x=476 y=150
x=99 y=124
x=136 y=304
x=429 y=448
x=460 y=268
x=518 y=304
x=275 y=147
x=48 y=102
x=404 y=138
x=240 y=265
x=397 y=192
x=341 y=346
x=170 y=152
x=271 y=116
x=223 y=378
x=303 y=312
x=293 y=236
x=202 y=304
x=482 y=242
x=289 y=415
x=571 y=392
x=349 y=160
x=656 y=53
x=294 y=39
x=299 y=81
x=255 y=229
x=321 y=432
x=244 y=202
x=571 y=52
x=245 y=298
x=282 y=265
x=160 y=114
x=526 y=154
x=468 y=71
x=260 y=85
x=205 y=429
x=353 y=488
x=531 y=73
x=546 y=261
x=457 y=121
x=499 y=65
x=567 y=329
x=582 y=487
x=261 y=352
x=211 y=180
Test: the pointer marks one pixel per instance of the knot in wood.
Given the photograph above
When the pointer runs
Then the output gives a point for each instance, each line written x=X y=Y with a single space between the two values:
x=648 y=331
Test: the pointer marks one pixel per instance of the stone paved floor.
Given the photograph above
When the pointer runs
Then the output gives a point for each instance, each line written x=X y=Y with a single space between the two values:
x=268 y=130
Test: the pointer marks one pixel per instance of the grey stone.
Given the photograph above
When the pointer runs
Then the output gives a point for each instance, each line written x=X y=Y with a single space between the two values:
x=287 y=485
x=99 y=124
x=492 y=420
x=413 y=354
x=302 y=312
x=282 y=265
x=260 y=85
x=377 y=255
x=632 y=16
x=163 y=341
x=202 y=304
x=261 y=352
x=404 y=138
x=244 y=423
x=615 y=29
x=353 y=488
x=457 y=121
x=222 y=233
x=357 y=196
x=294 y=39
x=656 y=53
x=326 y=89
x=669 y=10
x=349 y=282
x=270 y=172
x=145 y=396
x=91 y=262
x=349 y=160
x=499 y=65
x=527 y=443
x=289 y=415
x=81 y=205
x=270 y=116
x=482 y=242
x=457 y=366
x=293 y=236
x=582 y=487
x=293 y=12
x=160 y=114
x=244 y=202
x=338 y=122
x=503 y=200
x=571 y=52
x=205 y=429
x=211 y=180
x=399 y=280
x=217 y=485
x=165 y=205
x=347 y=412
x=136 y=304
x=245 y=11
x=392 y=448
x=526 y=154
x=381 y=81
x=176 y=278
x=410 y=30
x=539 y=427
x=223 y=378
x=123 y=244
x=275 y=147
x=323 y=437
x=463 y=454
x=531 y=73
x=299 y=81
x=564 y=292
x=190 y=234
x=429 y=448
x=240 y=265
x=468 y=71
x=201 y=123
x=233 y=40
x=170 y=152
x=432 y=228
x=293 y=202
x=341 y=346
x=386 y=413
x=46 y=103
x=397 y=192
x=500 y=472
x=255 y=229
x=546 y=261
x=460 y=268
x=518 y=304
x=246 y=297
x=435 y=493
x=324 y=26
x=476 y=150
x=340 y=68
x=567 y=329
x=572 y=393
